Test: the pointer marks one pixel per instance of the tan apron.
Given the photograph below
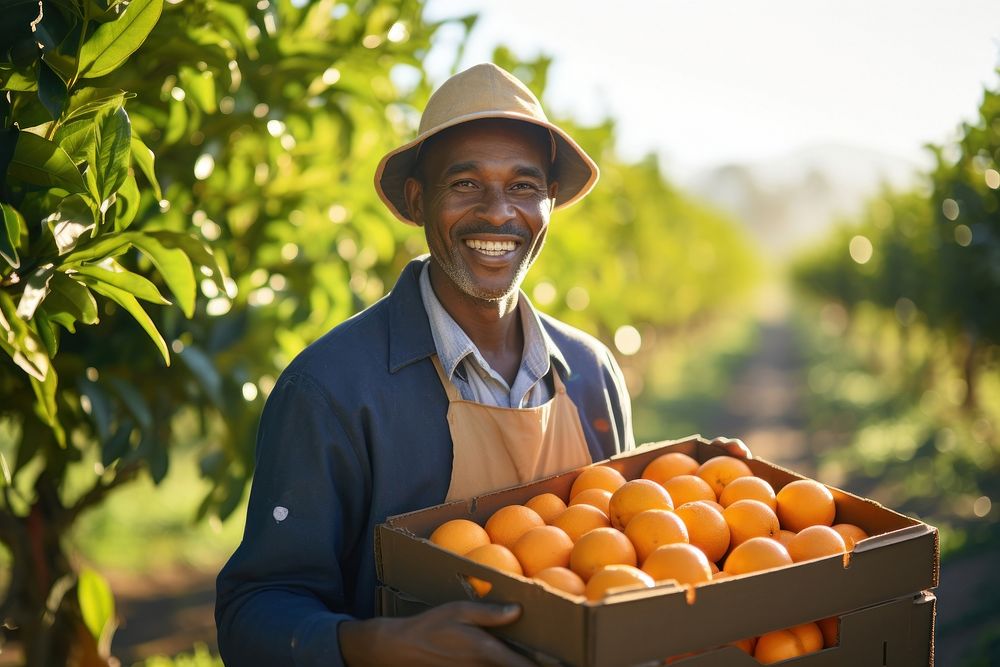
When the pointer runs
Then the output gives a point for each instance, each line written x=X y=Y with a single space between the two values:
x=493 y=447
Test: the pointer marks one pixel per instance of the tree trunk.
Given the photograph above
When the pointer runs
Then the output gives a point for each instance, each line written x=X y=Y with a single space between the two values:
x=42 y=603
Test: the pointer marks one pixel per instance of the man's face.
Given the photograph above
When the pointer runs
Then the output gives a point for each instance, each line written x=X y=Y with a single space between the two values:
x=484 y=201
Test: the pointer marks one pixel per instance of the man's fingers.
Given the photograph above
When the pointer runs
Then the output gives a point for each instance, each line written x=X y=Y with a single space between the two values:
x=734 y=446
x=482 y=614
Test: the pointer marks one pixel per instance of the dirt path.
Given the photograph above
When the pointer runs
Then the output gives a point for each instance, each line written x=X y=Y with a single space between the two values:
x=165 y=613
x=764 y=408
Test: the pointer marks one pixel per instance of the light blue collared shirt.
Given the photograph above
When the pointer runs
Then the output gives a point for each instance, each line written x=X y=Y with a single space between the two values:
x=465 y=366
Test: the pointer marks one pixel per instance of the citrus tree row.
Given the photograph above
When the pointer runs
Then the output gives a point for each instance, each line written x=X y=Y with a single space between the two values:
x=682 y=520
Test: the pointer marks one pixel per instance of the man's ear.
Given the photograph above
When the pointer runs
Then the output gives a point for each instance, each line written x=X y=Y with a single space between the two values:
x=413 y=190
x=553 y=191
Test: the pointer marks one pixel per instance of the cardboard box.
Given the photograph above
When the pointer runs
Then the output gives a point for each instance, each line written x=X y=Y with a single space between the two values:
x=899 y=633
x=899 y=560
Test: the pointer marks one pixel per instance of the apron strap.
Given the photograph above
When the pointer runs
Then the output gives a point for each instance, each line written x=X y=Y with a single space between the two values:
x=449 y=387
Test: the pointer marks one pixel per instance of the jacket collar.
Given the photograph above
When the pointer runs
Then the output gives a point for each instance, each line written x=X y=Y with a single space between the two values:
x=410 y=336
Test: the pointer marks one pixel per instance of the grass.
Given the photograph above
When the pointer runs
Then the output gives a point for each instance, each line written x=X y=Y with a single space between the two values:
x=144 y=527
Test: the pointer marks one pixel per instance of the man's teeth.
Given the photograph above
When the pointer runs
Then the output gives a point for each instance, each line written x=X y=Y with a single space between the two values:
x=495 y=248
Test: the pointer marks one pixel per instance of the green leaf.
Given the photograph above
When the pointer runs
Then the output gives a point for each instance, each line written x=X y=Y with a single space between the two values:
x=144 y=159
x=130 y=395
x=116 y=446
x=17 y=80
x=35 y=291
x=201 y=366
x=97 y=603
x=73 y=218
x=67 y=296
x=106 y=246
x=76 y=138
x=127 y=200
x=111 y=148
x=87 y=102
x=20 y=342
x=175 y=267
x=200 y=87
x=123 y=280
x=10 y=235
x=51 y=90
x=82 y=304
x=128 y=302
x=45 y=405
x=40 y=162
x=112 y=43
x=46 y=332
x=99 y=408
x=195 y=249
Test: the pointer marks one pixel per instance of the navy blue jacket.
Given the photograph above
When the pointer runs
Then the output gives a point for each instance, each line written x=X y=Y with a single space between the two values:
x=355 y=431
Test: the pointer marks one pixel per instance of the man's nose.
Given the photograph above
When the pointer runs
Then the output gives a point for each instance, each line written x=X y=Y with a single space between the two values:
x=497 y=207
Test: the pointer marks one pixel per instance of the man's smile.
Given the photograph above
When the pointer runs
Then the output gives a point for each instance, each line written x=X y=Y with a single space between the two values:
x=492 y=248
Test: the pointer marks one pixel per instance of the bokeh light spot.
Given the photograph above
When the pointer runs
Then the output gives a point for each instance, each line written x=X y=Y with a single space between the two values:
x=950 y=209
x=628 y=340
x=861 y=249
x=963 y=235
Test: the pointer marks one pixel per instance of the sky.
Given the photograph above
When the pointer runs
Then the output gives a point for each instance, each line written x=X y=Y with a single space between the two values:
x=709 y=82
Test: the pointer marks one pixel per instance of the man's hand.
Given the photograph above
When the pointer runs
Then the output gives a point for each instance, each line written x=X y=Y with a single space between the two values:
x=734 y=447
x=451 y=634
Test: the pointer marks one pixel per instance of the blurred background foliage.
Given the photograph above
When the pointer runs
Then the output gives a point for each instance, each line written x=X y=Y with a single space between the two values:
x=266 y=120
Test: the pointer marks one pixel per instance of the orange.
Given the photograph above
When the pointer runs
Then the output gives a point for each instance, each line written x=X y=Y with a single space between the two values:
x=687 y=489
x=852 y=534
x=785 y=537
x=721 y=574
x=460 y=536
x=496 y=556
x=757 y=553
x=713 y=504
x=600 y=547
x=748 y=488
x=616 y=576
x=637 y=496
x=721 y=470
x=542 y=547
x=546 y=505
x=653 y=528
x=715 y=568
x=805 y=503
x=830 y=627
x=810 y=636
x=596 y=477
x=746 y=644
x=815 y=542
x=599 y=498
x=511 y=522
x=776 y=646
x=670 y=465
x=750 y=518
x=563 y=579
x=707 y=528
x=681 y=562
x=578 y=520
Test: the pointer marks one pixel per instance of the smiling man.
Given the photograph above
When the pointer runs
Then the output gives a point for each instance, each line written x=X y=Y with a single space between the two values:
x=451 y=386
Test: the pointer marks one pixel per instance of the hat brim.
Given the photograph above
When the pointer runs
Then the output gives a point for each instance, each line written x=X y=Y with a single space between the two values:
x=573 y=169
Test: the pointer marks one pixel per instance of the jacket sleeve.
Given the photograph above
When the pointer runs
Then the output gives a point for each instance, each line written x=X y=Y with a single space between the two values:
x=621 y=404
x=281 y=597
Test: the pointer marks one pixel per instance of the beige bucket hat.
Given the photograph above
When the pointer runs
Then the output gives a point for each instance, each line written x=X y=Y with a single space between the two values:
x=484 y=91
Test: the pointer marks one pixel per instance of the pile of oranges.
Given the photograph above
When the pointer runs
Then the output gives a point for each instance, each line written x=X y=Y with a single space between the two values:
x=683 y=521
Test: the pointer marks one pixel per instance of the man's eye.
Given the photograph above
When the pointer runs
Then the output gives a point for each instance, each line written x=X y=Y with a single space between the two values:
x=524 y=186
x=464 y=184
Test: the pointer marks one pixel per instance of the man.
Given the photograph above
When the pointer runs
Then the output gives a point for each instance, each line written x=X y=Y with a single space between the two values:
x=451 y=386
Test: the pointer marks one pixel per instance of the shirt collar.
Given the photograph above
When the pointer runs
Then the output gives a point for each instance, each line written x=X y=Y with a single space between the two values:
x=454 y=345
